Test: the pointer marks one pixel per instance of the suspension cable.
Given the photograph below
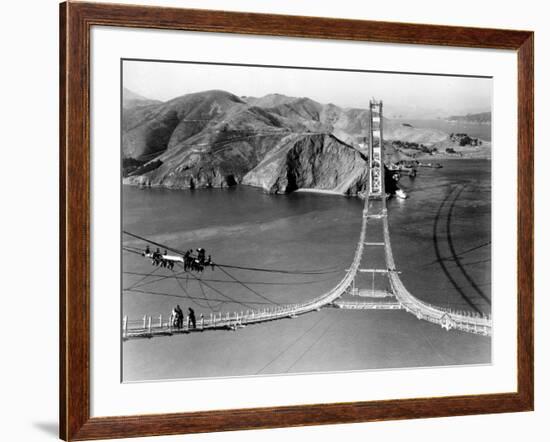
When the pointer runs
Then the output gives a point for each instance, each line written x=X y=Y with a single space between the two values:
x=196 y=302
x=257 y=269
x=285 y=271
x=220 y=292
x=143 y=279
x=247 y=287
x=316 y=281
x=221 y=301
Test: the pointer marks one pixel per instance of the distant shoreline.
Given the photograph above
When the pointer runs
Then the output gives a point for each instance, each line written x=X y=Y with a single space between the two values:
x=304 y=190
x=323 y=191
x=487 y=123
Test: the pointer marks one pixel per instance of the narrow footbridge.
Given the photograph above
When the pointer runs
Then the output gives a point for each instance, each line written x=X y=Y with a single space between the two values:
x=148 y=326
x=346 y=294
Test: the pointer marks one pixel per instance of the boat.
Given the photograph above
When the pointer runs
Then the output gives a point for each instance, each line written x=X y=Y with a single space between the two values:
x=432 y=165
x=400 y=193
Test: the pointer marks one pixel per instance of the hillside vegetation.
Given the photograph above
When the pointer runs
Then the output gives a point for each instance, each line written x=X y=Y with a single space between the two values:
x=280 y=143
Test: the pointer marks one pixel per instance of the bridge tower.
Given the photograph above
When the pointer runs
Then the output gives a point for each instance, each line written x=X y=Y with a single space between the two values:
x=371 y=281
x=376 y=151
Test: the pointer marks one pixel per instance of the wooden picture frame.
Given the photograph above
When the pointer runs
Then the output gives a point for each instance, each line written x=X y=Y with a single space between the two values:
x=76 y=21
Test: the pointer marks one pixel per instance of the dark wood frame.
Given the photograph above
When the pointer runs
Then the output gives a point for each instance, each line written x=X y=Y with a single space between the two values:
x=76 y=20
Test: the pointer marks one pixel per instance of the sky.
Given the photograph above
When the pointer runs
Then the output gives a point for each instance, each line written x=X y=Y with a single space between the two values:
x=404 y=95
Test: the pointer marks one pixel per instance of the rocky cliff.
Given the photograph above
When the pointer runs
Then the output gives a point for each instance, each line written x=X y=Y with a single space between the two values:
x=217 y=139
x=317 y=161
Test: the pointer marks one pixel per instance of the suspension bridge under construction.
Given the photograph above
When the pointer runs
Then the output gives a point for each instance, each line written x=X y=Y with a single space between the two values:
x=350 y=292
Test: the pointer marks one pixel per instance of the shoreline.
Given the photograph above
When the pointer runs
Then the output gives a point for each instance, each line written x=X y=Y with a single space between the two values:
x=320 y=191
x=258 y=188
x=430 y=158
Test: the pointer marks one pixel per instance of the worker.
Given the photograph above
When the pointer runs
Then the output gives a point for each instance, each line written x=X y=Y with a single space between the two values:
x=192 y=319
x=186 y=260
x=209 y=262
x=179 y=316
x=174 y=318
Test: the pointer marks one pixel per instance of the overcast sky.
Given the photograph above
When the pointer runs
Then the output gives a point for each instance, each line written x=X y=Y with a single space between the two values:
x=412 y=96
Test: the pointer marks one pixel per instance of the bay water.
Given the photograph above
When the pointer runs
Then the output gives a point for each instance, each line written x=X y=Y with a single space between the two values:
x=441 y=239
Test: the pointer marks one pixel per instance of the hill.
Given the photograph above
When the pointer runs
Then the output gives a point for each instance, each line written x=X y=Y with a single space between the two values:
x=216 y=139
x=310 y=162
x=280 y=143
x=131 y=99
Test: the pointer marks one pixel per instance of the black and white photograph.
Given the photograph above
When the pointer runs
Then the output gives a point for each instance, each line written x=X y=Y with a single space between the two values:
x=284 y=220
x=281 y=220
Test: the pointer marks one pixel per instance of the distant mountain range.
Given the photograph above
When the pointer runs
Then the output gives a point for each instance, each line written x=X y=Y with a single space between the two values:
x=480 y=118
x=131 y=99
x=279 y=143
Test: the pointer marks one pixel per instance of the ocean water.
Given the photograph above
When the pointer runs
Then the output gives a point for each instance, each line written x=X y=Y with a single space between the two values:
x=441 y=240
x=482 y=131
